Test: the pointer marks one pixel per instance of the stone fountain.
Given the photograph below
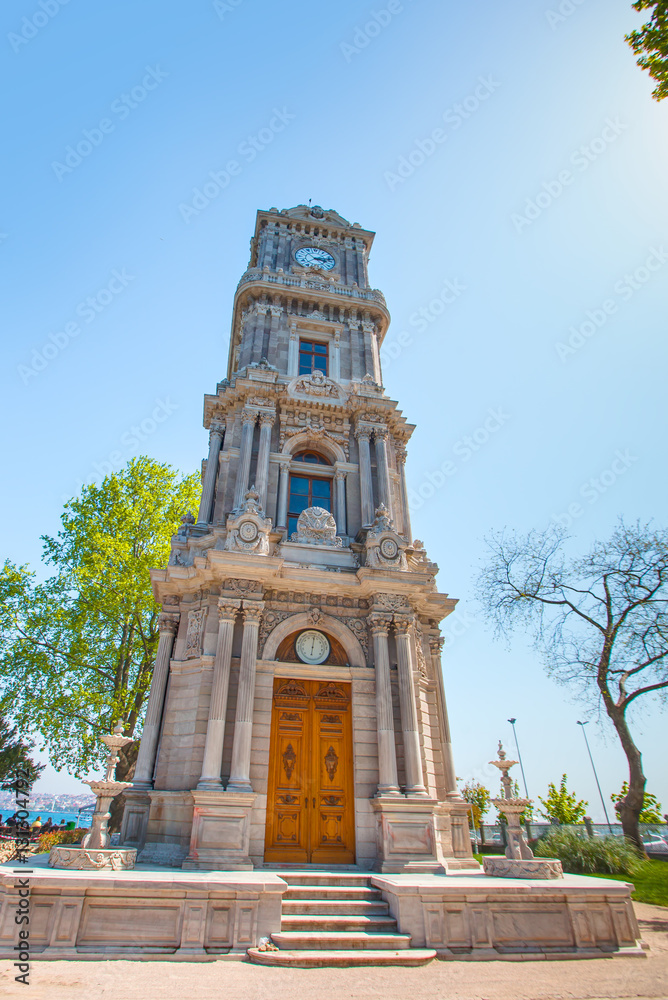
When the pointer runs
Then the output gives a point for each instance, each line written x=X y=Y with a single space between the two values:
x=519 y=861
x=95 y=851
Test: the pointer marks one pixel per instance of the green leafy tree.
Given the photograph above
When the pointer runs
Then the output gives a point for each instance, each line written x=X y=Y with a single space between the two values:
x=479 y=799
x=78 y=648
x=651 y=807
x=562 y=806
x=600 y=622
x=650 y=44
x=14 y=756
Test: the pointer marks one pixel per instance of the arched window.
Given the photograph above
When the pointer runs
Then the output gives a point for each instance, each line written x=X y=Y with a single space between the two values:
x=307 y=490
x=310 y=456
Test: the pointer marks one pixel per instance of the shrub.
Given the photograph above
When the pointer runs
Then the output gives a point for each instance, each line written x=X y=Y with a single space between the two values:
x=49 y=840
x=584 y=855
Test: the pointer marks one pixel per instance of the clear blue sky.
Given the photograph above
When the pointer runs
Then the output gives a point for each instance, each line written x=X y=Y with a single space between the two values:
x=527 y=107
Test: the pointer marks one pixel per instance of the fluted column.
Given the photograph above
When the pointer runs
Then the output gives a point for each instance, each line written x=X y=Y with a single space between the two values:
x=209 y=485
x=168 y=625
x=409 y=721
x=215 y=730
x=435 y=646
x=406 y=516
x=262 y=474
x=243 y=722
x=282 y=512
x=248 y=418
x=384 y=488
x=388 y=782
x=340 y=481
x=335 y=361
x=366 y=485
x=293 y=350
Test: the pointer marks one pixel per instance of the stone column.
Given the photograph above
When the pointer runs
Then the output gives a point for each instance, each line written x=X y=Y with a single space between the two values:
x=168 y=625
x=340 y=481
x=209 y=485
x=384 y=487
x=409 y=720
x=293 y=350
x=248 y=418
x=406 y=516
x=366 y=485
x=435 y=646
x=388 y=782
x=243 y=722
x=262 y=474
x=215 y=730
x=335 y=363
x=282 y=512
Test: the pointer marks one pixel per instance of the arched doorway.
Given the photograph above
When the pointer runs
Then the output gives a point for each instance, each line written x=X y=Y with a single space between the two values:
x=310 y=800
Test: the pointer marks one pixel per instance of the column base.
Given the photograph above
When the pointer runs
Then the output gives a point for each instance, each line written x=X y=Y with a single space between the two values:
x=220 y=832
x=407 y=835
x=240 y=787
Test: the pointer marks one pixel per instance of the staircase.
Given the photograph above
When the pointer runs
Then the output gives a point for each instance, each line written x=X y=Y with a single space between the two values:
x=336 y=920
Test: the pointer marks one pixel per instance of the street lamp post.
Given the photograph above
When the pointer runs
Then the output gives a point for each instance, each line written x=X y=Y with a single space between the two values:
x=524 y=779
x=598 y=784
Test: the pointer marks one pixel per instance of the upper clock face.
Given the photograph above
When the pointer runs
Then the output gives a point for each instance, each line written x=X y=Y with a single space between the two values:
x=315 y=257
x=312 y=646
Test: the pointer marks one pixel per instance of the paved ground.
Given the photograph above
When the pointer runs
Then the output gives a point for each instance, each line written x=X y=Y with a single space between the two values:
x=594 y=979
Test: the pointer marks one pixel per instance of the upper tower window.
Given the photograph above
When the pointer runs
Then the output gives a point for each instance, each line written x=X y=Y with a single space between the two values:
x=312 y=357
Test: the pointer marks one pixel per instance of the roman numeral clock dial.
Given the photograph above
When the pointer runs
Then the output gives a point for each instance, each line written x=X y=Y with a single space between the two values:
x=315 y=257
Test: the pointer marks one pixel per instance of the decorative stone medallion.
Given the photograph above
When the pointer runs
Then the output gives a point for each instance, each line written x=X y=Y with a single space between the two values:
x=248 y=531
x=316 y=526
x=389 y=548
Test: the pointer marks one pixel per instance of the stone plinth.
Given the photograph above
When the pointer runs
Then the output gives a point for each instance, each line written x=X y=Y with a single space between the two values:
x=220 y=831
x=406 y=834
x=522 y=867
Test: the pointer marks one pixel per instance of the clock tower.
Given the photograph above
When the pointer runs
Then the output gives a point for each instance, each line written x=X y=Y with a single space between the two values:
x=297 y=712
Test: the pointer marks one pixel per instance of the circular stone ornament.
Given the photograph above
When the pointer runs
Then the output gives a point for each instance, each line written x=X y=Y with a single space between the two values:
x=248 y=531
x=389 y=548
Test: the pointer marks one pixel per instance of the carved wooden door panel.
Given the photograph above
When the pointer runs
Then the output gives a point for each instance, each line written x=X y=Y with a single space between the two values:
x=332 y=815
x=310 y=804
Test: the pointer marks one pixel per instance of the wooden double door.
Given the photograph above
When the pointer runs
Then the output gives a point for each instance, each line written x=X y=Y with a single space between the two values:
x=310 y=801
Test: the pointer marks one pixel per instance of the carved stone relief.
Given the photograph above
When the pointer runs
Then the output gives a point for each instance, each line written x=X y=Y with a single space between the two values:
x=194 y=633
x=316 y=526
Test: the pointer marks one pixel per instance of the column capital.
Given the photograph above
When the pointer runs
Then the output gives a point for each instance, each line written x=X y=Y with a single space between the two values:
x=252 y=612
x=216 y=429
x=403 y=623
x=228 y=609
x=168 y=622
x=380 y=432
x=362 y=433
x=379 y=623
x=267 y=418
x=339 y=474
x=400 y=452
x=249 y=416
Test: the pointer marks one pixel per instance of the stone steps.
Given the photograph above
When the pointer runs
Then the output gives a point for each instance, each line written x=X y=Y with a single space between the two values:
x=319 y=923
x=334 y=907
x=341 y=959
x=336 y=919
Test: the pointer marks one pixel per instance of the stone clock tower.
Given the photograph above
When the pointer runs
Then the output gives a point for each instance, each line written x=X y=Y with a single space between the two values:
x=297 y=713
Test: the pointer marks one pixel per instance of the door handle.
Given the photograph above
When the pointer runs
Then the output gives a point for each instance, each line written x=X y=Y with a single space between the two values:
x=314 y=803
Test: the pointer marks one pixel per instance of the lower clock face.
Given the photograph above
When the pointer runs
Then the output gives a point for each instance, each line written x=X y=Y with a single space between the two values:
x=312 y=646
